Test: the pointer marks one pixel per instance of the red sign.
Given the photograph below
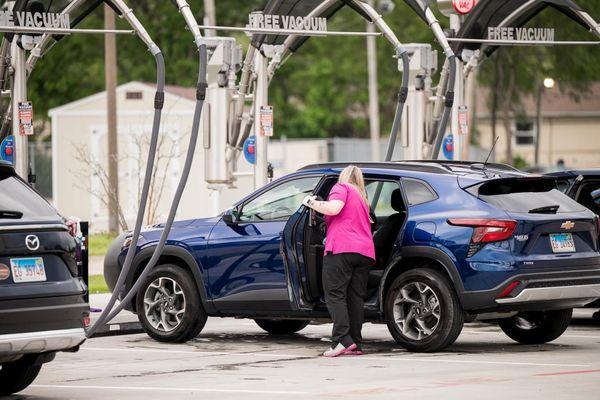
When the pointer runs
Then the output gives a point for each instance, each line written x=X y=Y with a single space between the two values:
x=463 y=6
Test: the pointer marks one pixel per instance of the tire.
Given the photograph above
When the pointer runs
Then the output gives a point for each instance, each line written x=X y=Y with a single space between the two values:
x=153 y=303
x=426 y=330
x=537 y=327
x=16 y=376
x=282 y=326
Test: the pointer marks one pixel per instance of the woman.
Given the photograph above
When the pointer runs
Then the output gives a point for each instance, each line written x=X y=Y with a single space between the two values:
x=349 y=252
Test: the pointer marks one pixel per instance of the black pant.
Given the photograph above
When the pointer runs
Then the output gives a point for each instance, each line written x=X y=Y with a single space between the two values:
x=345 y=279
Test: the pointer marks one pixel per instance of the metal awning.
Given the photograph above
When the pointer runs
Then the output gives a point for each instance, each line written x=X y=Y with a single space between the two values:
x=510 y=13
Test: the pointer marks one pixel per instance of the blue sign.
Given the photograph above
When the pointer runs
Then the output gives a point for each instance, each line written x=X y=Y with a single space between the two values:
x=250 y=149
x=448 y=147
x=7 y=149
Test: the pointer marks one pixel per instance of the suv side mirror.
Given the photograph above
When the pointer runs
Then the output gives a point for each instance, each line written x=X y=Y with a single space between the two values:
x=230 y=217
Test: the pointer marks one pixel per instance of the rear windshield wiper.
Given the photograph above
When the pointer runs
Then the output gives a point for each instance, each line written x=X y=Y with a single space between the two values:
x=545 y=210
x=10 y=214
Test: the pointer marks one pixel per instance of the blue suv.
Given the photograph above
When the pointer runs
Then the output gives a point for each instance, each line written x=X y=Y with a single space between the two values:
x=455 y=242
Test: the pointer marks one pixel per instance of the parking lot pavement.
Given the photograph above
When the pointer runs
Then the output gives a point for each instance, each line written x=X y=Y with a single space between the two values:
x=235 y=359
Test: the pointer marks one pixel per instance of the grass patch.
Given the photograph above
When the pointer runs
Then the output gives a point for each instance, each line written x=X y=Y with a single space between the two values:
x=99 y=243
x=97 y=284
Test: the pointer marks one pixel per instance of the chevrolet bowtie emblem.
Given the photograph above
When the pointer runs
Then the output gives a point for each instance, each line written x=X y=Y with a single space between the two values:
x=568 y=225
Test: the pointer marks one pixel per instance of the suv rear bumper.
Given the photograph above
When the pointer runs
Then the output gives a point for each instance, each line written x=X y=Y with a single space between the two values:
x=550 y=290
x=587 y=294
x=41 y=342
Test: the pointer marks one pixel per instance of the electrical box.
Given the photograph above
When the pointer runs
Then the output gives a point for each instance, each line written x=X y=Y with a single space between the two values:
x=225 y=59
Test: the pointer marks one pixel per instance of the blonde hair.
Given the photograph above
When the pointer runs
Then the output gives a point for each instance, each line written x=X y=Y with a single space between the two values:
x=352 y=175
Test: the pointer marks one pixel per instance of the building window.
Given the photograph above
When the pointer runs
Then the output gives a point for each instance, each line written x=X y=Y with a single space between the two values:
x=524 y=133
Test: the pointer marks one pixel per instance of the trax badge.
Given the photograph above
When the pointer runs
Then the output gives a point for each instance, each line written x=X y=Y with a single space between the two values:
x=568 y=225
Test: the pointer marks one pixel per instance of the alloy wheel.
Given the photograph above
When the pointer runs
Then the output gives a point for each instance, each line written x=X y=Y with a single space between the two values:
x=416 y=310
x=164 y=304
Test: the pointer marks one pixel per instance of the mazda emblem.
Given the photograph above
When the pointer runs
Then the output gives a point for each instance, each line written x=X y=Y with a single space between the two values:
x=32 y=242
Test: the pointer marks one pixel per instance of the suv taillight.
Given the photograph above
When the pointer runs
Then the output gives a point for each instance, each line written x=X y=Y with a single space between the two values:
x=487 y=230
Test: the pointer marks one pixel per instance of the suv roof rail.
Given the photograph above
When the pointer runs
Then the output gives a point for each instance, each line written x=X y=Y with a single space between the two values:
x=418 y=166
x=491 y=165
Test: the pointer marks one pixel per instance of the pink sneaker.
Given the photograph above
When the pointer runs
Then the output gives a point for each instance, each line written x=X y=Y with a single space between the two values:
x=339 y=350
x=356 y=352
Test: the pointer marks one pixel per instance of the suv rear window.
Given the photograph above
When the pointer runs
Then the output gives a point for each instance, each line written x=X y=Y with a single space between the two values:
x=19 y=202
x=526 y=195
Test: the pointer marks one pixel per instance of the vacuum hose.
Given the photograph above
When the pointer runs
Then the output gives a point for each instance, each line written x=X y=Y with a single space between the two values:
x=200 y=98
x=435 y=153
x=158 y=105
x=402 y=95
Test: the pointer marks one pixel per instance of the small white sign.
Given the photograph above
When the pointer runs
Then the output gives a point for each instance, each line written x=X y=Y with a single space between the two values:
x=463 y=120
x=266 y=121
x=520 y=34
x=26 y=118
x=286 y=22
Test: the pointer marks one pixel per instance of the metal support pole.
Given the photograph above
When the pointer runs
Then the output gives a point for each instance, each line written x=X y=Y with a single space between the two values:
x=458 y=99
x=210 y=17
x=110 y=67
x=262 y=142
x=19 y=94
x=374 y=123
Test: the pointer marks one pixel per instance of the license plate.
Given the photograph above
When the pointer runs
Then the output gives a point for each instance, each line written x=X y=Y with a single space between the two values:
x=562 y=243
x=28 y=269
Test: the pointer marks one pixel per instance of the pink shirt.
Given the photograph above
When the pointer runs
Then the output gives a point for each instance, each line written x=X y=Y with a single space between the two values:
x=350 y=230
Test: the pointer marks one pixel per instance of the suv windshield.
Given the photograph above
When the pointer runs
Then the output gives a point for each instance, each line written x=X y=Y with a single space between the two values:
x=18 y=202
x=538 y=196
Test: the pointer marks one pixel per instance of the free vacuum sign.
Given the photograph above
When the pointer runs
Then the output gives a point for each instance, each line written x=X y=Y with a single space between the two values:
x=286 y=22
x=26 y=19
x=520 y=34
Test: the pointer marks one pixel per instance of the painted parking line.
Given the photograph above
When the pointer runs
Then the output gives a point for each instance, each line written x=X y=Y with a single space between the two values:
x=483 y=362
x=588 y=371
x=192 y=352
x=363 y=358
x=566 y=335
x=170 y=389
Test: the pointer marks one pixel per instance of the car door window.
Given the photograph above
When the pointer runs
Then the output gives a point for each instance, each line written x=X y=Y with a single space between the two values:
x=417 y=192
x=383 y=208
x=279 y=202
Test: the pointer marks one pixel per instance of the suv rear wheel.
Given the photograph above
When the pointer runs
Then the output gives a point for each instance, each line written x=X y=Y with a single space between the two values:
x=16 y=376
x=282 y=326
x=169 y=306
x=422 y=311
x=537 y=327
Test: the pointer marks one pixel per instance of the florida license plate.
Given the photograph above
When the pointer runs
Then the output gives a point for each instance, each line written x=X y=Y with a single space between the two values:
x=28 y=269
x=562 y=243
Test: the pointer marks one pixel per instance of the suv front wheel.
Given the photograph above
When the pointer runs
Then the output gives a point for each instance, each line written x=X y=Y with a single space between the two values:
x=537 y=327
x=422 y=311
x=169 y=305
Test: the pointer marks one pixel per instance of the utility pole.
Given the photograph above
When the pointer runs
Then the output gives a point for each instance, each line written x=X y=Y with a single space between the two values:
x=110 y=68
x=210 y=17
x=262 y=141
x=374 y=123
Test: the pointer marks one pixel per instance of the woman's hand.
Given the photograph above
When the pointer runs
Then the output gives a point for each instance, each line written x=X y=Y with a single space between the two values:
x=331 y=208
x=308 y=200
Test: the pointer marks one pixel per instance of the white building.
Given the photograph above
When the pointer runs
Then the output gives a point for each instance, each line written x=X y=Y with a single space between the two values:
x=79 y=157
